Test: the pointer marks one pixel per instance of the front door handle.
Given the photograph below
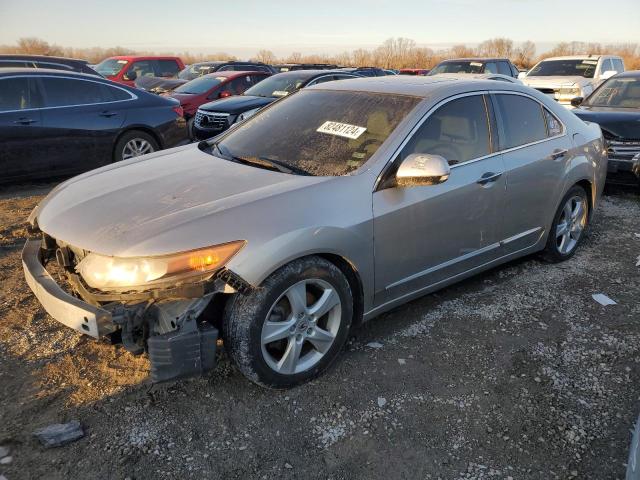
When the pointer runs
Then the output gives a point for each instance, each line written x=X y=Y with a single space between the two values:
x=558 y=153
x=488 y=178
x=25 y=121
x=108 y=114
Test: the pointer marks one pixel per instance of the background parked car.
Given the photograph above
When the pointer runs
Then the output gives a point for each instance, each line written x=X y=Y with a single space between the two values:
x=213 y=86
x=366 y=71
x=615 y=106
x=502 y=66
x=289 y=67
x=126 y=69
x=41 y=61
x=58 y=123
x=479 y=76
x=413 y=71
x=215 y=117
x=163 y=85
x=564 y=78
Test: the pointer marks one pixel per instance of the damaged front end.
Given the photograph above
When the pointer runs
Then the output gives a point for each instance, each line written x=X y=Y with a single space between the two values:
x=174 y=318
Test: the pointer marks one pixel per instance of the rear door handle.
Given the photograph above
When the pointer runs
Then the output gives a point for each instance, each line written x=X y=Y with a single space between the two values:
x=488 y=178
x=108 y=114
x=25 y=121
x=558 y=153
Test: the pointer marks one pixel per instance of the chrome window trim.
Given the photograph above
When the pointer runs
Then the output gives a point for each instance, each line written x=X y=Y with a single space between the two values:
x=443 y=102
x=132 y=95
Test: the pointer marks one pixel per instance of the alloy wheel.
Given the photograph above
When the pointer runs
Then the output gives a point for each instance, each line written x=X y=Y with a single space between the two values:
x=301 y=326
x=571 y=224
x=136 y=147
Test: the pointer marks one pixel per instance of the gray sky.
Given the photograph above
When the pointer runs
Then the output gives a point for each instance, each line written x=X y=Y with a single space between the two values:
x=329 y=26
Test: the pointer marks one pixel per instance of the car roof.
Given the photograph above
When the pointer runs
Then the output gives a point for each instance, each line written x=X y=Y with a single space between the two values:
x=234 y=73
x=417 y=86
x=17 y=56
x=578 y=57
x=629 y=74
x=23 y=71
x=475 y=59
x=143 y=57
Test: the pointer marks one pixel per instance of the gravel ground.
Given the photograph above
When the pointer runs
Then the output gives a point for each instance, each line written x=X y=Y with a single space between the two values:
x=517 y=373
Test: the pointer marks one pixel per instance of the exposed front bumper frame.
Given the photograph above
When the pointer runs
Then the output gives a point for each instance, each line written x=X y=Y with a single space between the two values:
x=65 y=308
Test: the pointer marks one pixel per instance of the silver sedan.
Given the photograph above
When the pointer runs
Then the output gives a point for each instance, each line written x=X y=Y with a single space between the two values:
x=325 y=209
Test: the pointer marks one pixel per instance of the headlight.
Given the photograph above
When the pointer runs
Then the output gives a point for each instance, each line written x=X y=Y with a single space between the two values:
x=244 y=115
x=103 y=272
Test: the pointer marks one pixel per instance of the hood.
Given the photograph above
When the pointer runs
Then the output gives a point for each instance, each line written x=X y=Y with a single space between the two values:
x=160 y=204
x=158 y=83
x=622 y=123
x=238 y=104
x=555 y=82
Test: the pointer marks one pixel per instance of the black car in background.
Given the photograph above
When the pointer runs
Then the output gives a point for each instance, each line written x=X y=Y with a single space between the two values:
x=502 y=66
x=615 y=106
x=367 y=71
x=57 y=123
x=289 y=67
x=161 y=85
x=215 y=117
x=41 y=61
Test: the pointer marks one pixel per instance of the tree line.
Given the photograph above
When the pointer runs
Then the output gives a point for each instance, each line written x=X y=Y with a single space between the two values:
x=393 y=53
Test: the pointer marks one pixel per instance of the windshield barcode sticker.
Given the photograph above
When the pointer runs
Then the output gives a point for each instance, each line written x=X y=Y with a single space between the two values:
x=341 y=129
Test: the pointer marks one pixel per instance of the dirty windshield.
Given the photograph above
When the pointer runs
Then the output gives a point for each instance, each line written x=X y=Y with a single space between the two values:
x=565 y=68
x=110 y=67
x=458 y=67
x=278 y=85
x=618 y=92
x=325 y=133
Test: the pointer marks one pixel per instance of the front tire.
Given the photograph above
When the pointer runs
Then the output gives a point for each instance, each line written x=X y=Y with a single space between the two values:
x=569 y=224
x=291 y=328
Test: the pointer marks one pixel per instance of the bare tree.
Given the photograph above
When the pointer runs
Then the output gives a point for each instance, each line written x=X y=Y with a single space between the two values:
x=525 y=54
x=266 y=56
x=496 y=47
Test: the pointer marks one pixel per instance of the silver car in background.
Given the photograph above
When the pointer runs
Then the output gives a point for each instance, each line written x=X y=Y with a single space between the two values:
x=323 y=210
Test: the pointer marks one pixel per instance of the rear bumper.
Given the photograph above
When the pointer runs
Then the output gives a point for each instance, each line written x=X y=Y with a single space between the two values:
x=66 y=309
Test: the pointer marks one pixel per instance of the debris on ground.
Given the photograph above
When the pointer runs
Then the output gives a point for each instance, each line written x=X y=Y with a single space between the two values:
x=602 y=299
x=59 y=434
x=375 y=345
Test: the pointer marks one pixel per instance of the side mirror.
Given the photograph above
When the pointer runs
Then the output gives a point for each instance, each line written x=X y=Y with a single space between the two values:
x=225 y=94
x=607 y=74
x=131 y=75
x=521 y=75
x=421 y=169
x=576 y=101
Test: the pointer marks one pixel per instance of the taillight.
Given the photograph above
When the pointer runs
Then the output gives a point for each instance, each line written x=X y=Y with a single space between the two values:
x=179 y=110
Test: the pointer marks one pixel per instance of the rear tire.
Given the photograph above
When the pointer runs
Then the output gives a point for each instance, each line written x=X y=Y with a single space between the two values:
x=568 y=227
x=134 y=144
x=291 y=328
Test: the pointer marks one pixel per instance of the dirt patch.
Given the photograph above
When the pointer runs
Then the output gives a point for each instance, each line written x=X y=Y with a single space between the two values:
x=515 y=373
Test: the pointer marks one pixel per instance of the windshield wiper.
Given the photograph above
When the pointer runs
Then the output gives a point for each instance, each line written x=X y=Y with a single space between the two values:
x=263 y=162
x=282 y=166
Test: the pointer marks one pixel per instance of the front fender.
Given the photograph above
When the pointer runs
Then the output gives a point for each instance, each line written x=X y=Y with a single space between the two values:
x=355 y=245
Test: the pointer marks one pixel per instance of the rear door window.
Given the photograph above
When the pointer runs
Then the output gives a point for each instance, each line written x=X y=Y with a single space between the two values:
x=18 y=93
x=62 y=92
x=15 y=64
x=457 y=131
x=522 y=120
x=54 y=66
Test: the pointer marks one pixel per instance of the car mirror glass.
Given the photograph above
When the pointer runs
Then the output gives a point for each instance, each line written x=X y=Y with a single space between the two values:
x=131 y=75
x=576 y=101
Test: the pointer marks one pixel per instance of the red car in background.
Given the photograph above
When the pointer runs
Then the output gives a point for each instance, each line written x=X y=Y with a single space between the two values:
x=413 y=71
x=213 y=86
x=126 y=69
